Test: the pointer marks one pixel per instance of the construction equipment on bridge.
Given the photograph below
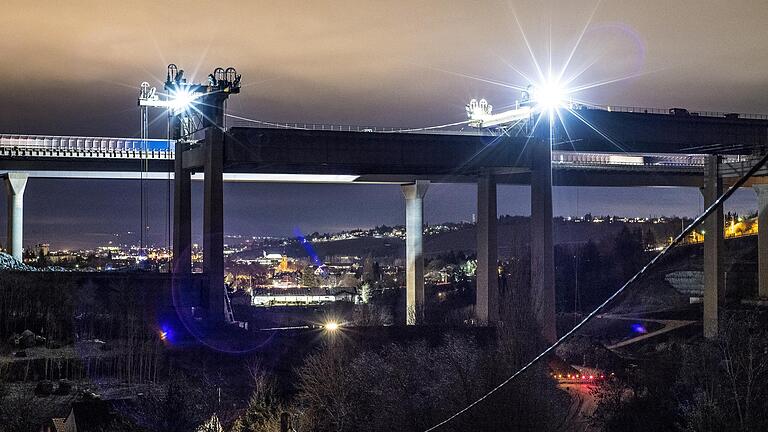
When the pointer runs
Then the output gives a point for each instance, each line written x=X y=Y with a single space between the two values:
x=193 y=104
x=480 y=116
x=536 y=99
x=194 y=108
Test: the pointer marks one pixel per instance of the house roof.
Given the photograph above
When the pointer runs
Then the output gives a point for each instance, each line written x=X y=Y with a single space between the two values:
x=92 y=415
x=58 y=424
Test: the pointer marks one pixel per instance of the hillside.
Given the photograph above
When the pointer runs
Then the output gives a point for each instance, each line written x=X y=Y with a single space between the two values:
x=513 y=238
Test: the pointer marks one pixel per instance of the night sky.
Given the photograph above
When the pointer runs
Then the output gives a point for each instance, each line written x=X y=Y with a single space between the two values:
x=73 y=68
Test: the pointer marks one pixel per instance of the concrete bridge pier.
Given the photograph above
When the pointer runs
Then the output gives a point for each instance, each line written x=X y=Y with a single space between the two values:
x=15 y=184
x=182 y=207
x=207 y=155
x=542 y=243
x=762 y=239
x=714 y=275
x=414 y=250
x=487 y=293
x=213 y=221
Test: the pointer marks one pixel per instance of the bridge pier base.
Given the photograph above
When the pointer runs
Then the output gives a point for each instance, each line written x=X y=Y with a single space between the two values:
x=414 y=250
x=542 y=243
x=487 y=294
x=714 y=276
x=15 y=184
x=762 y=240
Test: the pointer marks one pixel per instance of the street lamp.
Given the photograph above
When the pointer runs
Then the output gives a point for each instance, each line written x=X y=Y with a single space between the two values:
x=331 y=326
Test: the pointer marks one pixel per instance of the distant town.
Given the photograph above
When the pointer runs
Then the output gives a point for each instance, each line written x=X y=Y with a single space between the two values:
x=323 y=268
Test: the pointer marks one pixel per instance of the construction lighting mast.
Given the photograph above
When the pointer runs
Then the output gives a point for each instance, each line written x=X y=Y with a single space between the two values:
x=146 y=93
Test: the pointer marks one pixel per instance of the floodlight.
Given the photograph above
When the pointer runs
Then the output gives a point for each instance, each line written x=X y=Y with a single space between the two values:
x=549 y=95
x=182 y=99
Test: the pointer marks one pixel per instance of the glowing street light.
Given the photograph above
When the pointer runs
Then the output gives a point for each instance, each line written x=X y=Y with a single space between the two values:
x=331 y=326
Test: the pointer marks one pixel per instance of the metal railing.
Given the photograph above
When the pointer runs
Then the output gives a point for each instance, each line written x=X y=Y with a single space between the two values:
x=465 y=130
x=353 y=128
x=686 y=112
x=81 y=146
x=660 y=160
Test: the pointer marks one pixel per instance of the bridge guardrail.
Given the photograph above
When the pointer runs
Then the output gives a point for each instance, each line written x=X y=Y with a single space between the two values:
x=80 y=146
x=692 y=113
x=353 y=128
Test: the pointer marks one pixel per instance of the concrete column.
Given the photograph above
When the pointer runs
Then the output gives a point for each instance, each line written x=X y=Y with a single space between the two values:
x=213 y=222
x=182 y=211
x=16 y=183
x=487 y=293
x=414 y=250
x=542 y=244
x=762 y=240
x=714 y=277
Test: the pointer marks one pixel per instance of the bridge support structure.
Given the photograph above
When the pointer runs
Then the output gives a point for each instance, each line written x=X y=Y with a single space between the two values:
x=209 y=156
x=714 y=275
x=414 y=250
x=542 y=242
x=182 y=209
x=15 y=184
x=204 y=112
x=762 y=239
x=487 y=292
x=213 y=221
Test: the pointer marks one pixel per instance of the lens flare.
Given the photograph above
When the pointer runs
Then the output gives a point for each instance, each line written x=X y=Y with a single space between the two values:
x=182 y=99
x=548 y=96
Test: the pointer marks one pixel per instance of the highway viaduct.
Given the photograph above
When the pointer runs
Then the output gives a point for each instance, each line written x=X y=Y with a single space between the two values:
x=630 y=149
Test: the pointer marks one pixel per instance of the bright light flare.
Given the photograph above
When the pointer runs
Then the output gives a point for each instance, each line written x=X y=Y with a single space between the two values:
x=165 y=334
x=182 y=99
x=548 y=96
x=331 y=326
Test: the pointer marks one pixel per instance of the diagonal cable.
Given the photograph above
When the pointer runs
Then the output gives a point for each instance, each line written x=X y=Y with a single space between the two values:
x=718 y=202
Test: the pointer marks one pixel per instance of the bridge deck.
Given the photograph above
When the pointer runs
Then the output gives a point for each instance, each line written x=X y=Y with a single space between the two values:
x=633 y=148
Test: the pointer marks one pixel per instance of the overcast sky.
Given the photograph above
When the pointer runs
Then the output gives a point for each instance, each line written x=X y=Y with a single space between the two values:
x=73 y=68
